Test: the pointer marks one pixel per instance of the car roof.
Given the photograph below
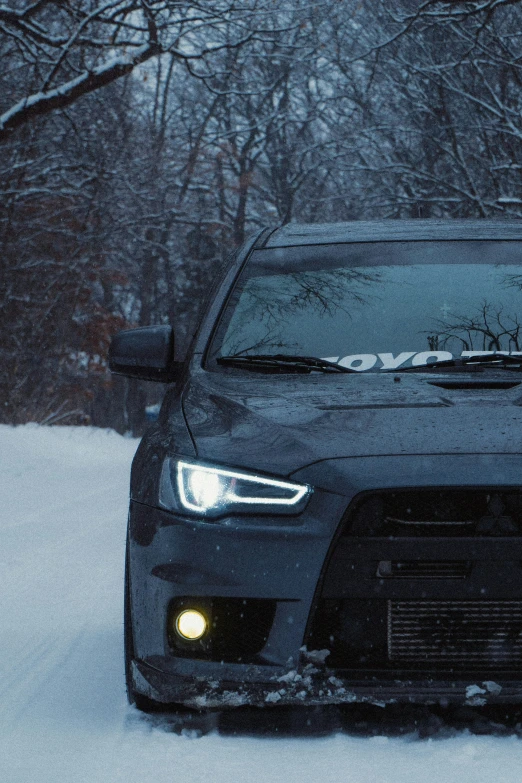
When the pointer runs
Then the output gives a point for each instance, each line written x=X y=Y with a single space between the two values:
x=299 y=234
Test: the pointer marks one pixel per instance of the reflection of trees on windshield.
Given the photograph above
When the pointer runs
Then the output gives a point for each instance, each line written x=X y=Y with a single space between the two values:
x=513 y=281
x=489 y=329
x=267 y=305
x=325 y=293
x=272 y=342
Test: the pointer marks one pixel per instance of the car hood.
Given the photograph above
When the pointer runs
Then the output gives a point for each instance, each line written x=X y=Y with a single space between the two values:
x=282 y=423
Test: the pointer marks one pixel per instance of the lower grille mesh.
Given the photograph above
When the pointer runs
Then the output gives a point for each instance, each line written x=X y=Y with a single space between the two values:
x=469 y=634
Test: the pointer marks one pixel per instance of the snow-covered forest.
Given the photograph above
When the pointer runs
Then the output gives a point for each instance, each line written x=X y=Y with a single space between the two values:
x=142 y=140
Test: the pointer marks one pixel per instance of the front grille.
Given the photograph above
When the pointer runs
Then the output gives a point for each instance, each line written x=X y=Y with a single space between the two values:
x=469 y=634
x=425 y=513
x=424 y=580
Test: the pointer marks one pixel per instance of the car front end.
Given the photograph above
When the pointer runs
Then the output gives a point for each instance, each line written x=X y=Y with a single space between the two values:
x=316 y=537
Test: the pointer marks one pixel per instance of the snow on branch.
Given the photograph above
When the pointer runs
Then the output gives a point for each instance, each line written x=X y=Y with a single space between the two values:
x=58 y=98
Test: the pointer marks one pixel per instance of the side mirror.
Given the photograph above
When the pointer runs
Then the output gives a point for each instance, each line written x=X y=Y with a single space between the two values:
x=146 y=353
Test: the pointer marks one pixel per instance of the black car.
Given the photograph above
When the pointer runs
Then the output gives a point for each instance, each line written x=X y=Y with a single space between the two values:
x=329 y=506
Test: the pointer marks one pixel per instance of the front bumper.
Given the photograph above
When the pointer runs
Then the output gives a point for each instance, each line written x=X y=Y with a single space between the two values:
x=275 y=559
x=311 y=687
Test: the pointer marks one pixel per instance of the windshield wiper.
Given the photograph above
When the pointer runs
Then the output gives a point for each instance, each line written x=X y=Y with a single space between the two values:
x=281 y=362
x=493 y=360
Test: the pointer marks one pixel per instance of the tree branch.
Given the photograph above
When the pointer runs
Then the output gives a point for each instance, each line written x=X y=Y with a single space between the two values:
x=42 y=103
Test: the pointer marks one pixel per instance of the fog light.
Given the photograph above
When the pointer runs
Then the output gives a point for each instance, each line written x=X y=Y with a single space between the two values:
x=191 y=624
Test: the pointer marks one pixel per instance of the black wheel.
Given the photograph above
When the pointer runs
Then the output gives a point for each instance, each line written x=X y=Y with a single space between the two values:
x=141 y=702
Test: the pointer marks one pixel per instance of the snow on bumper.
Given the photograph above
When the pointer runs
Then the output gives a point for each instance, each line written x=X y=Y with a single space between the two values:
x=315 y=686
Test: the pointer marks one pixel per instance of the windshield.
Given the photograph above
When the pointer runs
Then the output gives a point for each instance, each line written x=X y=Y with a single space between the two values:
x=377 y=306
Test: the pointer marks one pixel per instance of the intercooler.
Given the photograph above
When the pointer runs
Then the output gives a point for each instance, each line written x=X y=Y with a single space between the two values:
x=462 y=633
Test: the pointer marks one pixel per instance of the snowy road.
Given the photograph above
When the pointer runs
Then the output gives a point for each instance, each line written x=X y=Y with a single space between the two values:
x=63 y=713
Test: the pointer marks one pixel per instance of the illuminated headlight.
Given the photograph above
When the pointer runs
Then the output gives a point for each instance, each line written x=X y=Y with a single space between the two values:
x=211 y=491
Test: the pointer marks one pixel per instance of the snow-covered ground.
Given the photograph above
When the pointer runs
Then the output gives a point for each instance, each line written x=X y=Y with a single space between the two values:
x=63 y=713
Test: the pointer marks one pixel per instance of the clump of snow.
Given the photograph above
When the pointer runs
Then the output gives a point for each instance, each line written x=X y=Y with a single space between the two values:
x=477 y=695
x=474 y=690
x=315 y=656
x=474 y=696
x=291 y=676
x=492 y=687
x=335 y=681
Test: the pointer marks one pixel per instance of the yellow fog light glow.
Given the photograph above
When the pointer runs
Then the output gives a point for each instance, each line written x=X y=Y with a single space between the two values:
x=191 y=624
